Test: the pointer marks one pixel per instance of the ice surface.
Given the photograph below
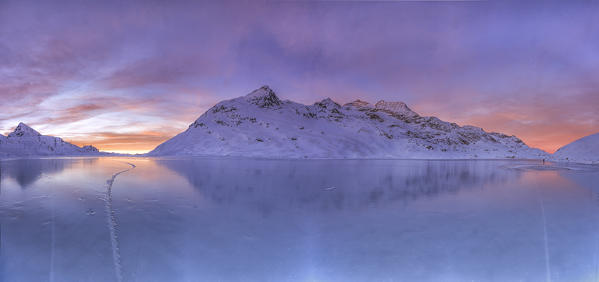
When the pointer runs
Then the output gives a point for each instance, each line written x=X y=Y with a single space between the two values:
x=297 y=220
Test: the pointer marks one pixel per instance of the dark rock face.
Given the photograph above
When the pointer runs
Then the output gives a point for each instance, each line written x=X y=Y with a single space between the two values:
x=265 y=97
x=23 y=130
x=90 y=148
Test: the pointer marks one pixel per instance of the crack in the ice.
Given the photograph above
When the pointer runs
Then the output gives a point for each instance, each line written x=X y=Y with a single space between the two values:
x=112 y=224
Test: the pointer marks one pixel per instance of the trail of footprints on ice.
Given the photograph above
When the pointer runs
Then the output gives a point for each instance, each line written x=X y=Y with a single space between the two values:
x=112 y=224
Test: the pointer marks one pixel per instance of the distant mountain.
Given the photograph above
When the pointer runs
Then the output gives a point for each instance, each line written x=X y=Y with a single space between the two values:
x=583 y=150
x=262 y=125
x=25 y=141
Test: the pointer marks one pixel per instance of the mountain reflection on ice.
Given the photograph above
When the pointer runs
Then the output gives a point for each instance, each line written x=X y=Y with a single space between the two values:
x=302 y=220
x=348 y=184
x=27 y=171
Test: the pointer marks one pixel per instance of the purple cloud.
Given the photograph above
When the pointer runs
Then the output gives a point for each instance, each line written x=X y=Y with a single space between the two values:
x=521 y=68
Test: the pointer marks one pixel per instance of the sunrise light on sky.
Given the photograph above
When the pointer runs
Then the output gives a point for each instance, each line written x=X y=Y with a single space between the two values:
x=128 y=76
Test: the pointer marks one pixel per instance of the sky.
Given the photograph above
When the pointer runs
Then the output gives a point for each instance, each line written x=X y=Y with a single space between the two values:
x=126 y=75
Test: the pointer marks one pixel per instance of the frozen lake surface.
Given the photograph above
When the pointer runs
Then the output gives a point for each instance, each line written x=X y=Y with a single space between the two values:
x=316 y=220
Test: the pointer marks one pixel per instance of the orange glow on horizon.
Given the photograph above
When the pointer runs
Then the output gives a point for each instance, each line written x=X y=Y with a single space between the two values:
x=134 y=143
x=141 y=143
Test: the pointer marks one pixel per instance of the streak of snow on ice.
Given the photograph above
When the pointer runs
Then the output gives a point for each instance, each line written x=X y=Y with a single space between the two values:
x=547 y=258
x=52 y=242
x=112 y=224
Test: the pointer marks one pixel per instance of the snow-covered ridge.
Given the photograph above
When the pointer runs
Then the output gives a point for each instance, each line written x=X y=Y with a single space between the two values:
x=23 y=130
x=583 y=150
x=395 y=107
x=26 y=141
x=260 y=124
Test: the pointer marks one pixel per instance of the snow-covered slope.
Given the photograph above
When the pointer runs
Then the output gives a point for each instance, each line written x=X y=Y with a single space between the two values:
x=583 y=150
x=25 y=141
x=261 y=125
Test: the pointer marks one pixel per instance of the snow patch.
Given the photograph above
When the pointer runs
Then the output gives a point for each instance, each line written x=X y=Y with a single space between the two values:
x=583 y=150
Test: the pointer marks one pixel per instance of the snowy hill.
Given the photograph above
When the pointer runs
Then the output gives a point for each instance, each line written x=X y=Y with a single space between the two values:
x=262 y=125
x=583 y=150
x=25 y=141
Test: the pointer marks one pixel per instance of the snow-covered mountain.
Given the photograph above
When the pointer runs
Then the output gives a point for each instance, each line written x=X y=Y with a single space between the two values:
x=583 y=150
x=262 y=125
x=25 y=141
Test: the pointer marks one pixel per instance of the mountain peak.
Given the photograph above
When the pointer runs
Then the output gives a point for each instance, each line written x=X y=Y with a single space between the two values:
x=327 y=103
x=23 y=130
x=584 y=150
x=359 y=104
x=265 y=90
x=264 y=97
x=395 y=107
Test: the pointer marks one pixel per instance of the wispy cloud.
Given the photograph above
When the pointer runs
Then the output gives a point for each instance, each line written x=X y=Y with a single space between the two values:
x=144 y=70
